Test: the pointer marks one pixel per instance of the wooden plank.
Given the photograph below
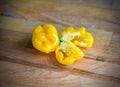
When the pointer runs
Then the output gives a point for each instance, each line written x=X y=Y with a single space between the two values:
x=105 y=41
x=100 y=67
x=78 y=20
x=108 y=70
x=14 y=74
x=35 y=9
x=113 y=4
x=20 y=47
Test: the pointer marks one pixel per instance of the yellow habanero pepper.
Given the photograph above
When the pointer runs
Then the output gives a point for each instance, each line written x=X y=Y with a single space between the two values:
x=45 y=38
x=81 y=38
x=68 y=51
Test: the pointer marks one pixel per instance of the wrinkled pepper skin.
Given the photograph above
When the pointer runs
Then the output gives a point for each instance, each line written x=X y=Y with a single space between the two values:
x=68 y=48
x=82 y=38
x=70 y=43
x=68 y=53
x=45 y=38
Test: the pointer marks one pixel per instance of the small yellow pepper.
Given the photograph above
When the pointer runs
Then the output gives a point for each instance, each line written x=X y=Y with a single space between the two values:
x=45 y=38
x=79 y=37
x=67 y=48
x=68 y=51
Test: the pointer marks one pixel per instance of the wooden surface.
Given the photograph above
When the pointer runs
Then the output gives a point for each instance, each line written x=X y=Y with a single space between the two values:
x=23 y=66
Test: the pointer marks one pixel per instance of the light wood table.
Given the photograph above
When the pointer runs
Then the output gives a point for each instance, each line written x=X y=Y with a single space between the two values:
x=23 y=66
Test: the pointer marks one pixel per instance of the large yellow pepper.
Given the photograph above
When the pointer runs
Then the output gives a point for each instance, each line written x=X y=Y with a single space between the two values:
x=68 y=51
x=45 y=38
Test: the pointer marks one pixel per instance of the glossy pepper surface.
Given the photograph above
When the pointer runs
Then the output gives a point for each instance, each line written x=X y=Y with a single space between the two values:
x=67 y=53
x=79 y=37
x=68 y=48
x=45 y=38
x=70 y=42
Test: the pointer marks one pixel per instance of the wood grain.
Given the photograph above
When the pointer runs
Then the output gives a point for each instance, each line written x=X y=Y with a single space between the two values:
x=105 y=41
x=112 y=4
x=36 y=9
x=22 y=65
x=21 y=45
x=12 y=74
